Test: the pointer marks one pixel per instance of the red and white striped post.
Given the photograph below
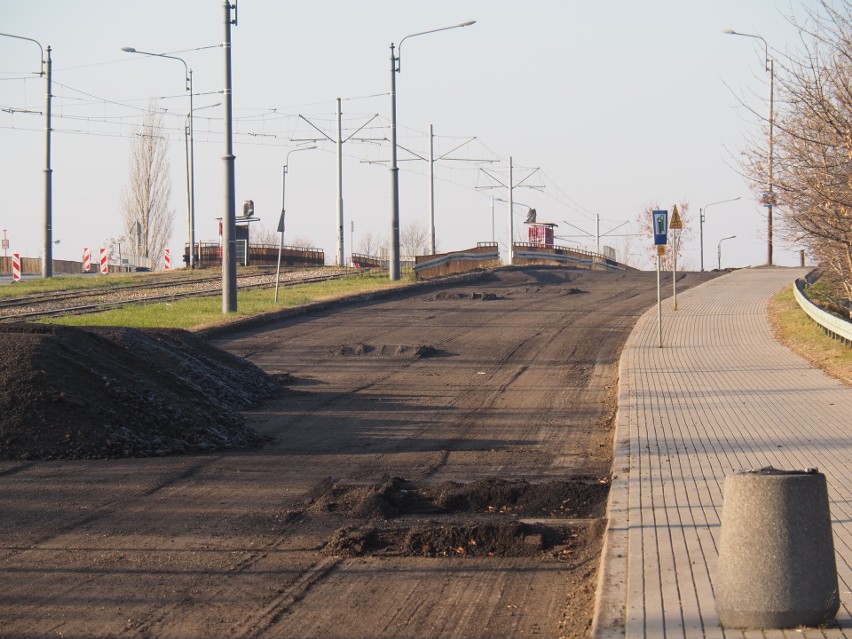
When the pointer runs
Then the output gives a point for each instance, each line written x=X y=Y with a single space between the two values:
x=87 y=259
x=16 y=267
x=167 y=260
x=104 y=263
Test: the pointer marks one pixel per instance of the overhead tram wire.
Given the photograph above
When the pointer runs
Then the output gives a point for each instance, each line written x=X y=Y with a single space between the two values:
x=269 y=114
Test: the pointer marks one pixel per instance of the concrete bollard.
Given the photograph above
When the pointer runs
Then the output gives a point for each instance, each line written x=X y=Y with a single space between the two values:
x=776 y=553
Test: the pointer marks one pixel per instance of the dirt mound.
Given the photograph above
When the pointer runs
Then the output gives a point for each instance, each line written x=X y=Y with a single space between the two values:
x=469 y=538
x=68 y=393
x=402 y=351
x=577 y=498
x=573 y=498
x=457 y=295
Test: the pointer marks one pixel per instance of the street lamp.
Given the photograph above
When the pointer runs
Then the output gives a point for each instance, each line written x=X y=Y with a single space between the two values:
x=281 y=223
x=396 y=67
x=701 y=213
x=47 y=244
x=191 y=185
x=719 y=251
x=769 y=198
x=190 y=180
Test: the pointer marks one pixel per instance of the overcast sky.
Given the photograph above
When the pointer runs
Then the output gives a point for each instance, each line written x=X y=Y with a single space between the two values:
x=604 y=107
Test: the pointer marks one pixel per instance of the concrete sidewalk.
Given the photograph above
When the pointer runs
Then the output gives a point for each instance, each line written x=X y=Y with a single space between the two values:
x=721 y=395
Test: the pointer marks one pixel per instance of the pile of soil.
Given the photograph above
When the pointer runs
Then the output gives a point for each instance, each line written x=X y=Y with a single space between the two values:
x=577 y=498
x=71 y=393
x=468 y=538
x=402 y=351
x=479 y=519
x=453 y=295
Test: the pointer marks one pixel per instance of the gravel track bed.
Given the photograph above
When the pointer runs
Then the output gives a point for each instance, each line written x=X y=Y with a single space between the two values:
x=107 y=297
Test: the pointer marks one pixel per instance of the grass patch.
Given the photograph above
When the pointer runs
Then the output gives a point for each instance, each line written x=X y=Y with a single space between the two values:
x=802 y=335
x=205 y=312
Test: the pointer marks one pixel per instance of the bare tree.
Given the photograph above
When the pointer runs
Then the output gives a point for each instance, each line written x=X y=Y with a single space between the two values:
x=300 y=242
x=148 y=220
x=676 y=239
x=812 y=154
x=413 y=239
x=263 y=235
x=369 y=244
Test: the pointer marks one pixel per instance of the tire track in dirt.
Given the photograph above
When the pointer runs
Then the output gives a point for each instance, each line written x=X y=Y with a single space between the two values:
x=109 y=508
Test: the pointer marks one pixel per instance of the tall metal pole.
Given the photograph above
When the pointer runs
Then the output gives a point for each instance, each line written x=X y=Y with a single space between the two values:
x=432 y=189
x=719 y=251
x=190 y=161
x=675 y=249
x=511 y=216
x=770 y=69
x=191 y=178
x=47 y=246
x=393 y=263
x=283 y=210
x=229 y=220
x=493 y=235
x=597 y=233
x=340 y=249
x=281 y=239
x=659 y=302
x=47 y=263
x=188 y=189
x=701 y=214
x=771 y=65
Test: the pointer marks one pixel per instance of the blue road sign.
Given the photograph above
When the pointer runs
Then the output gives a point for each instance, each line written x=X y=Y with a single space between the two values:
x=661 y=227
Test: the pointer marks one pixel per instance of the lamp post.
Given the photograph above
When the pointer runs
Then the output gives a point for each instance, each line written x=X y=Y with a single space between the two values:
x=719 y=251
x=769 y=198
x=191 y=181
x=396 y=67
x=47 y=243
x=281 y=223
x=701 y=224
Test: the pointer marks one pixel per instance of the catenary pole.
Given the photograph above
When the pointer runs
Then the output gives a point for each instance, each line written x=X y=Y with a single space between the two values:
x=229 y=220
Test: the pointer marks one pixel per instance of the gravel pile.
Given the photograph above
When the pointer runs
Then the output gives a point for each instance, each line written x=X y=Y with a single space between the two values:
x=71 y=393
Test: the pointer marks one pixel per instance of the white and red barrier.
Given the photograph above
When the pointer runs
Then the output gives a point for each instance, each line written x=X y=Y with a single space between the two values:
x=167 y=260
x=87 y=259
x=16 y=267
x=104 y=263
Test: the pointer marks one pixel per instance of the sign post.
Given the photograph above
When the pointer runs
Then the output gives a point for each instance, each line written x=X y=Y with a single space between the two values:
x=660 y=221
x=676 y=224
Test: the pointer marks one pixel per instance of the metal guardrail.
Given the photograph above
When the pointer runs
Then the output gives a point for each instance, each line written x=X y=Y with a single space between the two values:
x=834 y=326
x=566 y=255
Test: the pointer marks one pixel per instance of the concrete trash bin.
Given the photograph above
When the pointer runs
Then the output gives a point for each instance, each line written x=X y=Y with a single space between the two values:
x=776 y=553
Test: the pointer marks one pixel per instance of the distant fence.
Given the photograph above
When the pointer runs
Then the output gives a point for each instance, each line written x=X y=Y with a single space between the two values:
x=527 y=254
x=484 y=255
x=32 y=266
x=834 y=326
x=210 y=254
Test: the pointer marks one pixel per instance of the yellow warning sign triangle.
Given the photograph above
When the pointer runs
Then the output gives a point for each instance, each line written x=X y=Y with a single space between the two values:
x=676 y=222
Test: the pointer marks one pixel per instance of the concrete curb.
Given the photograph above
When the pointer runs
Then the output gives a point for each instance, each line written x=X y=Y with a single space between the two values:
x=608 y=618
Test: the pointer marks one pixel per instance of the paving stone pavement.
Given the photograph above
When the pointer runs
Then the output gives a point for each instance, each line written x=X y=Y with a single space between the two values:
x=720 y=396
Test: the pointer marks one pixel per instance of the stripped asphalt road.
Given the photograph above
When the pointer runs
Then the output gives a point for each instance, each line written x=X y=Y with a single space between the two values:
x=511 y=376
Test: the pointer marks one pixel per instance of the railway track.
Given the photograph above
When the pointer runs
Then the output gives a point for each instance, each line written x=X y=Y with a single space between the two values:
x=58 y=303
